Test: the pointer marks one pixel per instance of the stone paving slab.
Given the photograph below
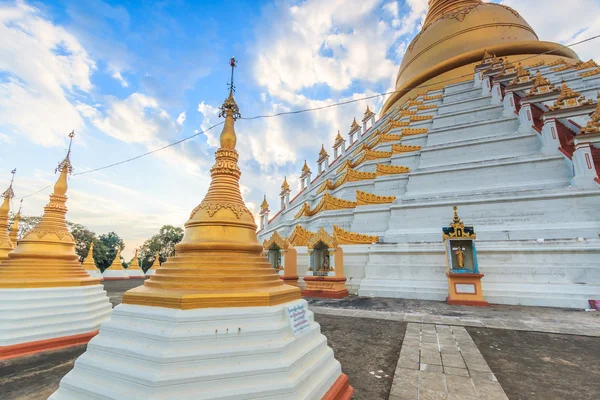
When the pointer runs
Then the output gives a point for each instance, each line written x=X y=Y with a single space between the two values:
x=532 y=319
x=459 y=371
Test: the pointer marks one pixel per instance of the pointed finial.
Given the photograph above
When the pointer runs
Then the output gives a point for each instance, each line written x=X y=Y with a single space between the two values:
x=66 y=163
x=456 y=218
x=9 y=193
x=264 y=206
x=231 y=112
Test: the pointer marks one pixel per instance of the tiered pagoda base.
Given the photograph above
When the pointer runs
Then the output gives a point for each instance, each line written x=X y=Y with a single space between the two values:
x=289 y=280
x=40 y=319
x=115 y=275
x=329 y=287
x=136 y=274
x=147 y=352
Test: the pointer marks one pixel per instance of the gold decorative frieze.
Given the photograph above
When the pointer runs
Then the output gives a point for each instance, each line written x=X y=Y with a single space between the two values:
x=557 y=62
x=327 y=203
x=383 y=169
x=363 y=146
x=433 y=97
x=427 y=107
x=355 y=176
x=390 y=138
x=585 y=65
x=541 y=85
x=304 y=211
x=364 y=198
x=523 y=76
x=593 y=125
x=414 y=131
x=300 y=236
x=538 y=64
x=375 y=155
x=327 y=185
x=342 y=236
x=417 y=118
x=400 y=148
x=590 y=73
x=562 y=68
x=569 y=98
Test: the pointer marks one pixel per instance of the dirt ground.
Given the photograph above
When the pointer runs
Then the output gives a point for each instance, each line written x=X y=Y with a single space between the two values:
x=363 y=346
x=542 y=366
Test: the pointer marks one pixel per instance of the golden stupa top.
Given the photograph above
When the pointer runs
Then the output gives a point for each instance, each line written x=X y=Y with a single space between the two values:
x=456 y=35
x=338 y=140
x=264 y=206
x=6 y=245
x=305 y=169
x=368 y=111
x=45 y=256
x=219 y=262
x=14 y=229
x=134 y=264
x=354 y=125
x=323 y=153
x=593 y=125
x=116 y=262
x=285 y=186
x=88 y=262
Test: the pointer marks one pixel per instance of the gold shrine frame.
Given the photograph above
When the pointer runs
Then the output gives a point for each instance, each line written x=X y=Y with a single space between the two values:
x=278 y=240
x=299 y=236
x=323 y=237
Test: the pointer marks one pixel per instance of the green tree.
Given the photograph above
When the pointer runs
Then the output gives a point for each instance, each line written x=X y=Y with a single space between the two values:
x=163 y=242
x=83 y=239
x=26 y=223
x=105 y=249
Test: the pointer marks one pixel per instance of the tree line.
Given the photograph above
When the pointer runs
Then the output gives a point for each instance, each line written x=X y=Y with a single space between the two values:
x=105 y=245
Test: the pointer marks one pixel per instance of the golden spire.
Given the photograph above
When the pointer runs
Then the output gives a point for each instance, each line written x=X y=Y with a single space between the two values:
x=354 y=125
x=323 y=153
x=134 y=264
x=305 y=169
x=88 y=262
x=285 y=186
x=218 y=263
x=156 y=262
x=6 y=245
x=264 y=205
x=541 y=85
x=116 y=263
x=338 y=139
x=593 y=125
x=14 y=229
x=45 y=256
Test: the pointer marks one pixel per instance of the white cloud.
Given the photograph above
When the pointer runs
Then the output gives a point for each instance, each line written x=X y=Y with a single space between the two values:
x=46 y=66
x=4 y=138
x=555 y=21
x=116 y=73
x=181 y=118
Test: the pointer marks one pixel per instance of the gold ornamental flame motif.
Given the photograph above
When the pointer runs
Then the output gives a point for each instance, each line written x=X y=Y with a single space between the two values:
x=218 y=263
x=6 y=244
x=45 y=256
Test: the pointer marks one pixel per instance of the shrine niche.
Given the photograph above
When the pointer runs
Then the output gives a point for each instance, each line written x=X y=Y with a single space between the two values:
x=464 y=279
x=325 y=276
x=283 y=258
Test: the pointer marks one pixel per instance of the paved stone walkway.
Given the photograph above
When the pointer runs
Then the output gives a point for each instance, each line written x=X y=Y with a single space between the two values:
x=441 y=362
x=535 y=319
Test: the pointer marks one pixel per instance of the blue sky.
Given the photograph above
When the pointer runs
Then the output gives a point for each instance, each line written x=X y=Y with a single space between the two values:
x=131 y=76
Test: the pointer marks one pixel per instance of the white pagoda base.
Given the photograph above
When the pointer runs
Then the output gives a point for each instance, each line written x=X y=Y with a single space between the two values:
x=150 y=272
x=115 y=274
x=95 y=274
x=39 y=319
x=238 y=353
x=136 y=274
